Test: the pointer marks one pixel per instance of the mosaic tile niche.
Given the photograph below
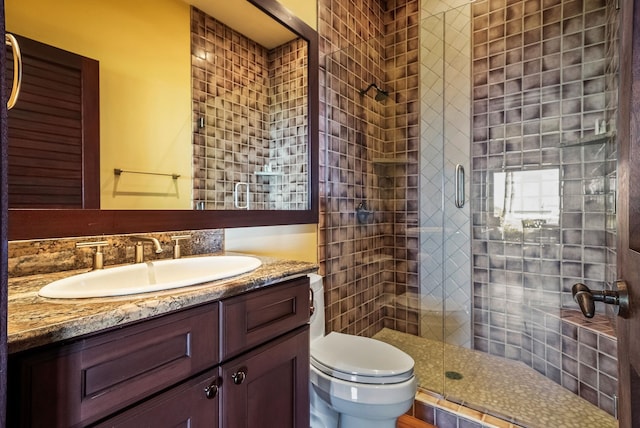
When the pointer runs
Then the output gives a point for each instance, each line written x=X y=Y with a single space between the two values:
x=249 y=108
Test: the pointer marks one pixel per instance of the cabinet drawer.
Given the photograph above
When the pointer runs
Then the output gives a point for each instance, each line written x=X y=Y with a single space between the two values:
x=254 y=318
x=185 y=405
x=81 y=382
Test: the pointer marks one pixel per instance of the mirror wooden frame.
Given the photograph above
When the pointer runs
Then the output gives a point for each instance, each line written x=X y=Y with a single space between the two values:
x=58 y=223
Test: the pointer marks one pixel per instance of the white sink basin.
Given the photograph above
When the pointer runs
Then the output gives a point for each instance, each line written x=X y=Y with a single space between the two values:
x=149 y=277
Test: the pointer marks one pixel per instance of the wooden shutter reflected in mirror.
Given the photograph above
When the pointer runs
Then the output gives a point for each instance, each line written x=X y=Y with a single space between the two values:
x=54 y=132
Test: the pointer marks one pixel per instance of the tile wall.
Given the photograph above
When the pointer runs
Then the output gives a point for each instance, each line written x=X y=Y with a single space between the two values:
x=355 y=257
x=400 y=179
x=543 y=73
x=249 y=105
x=368 y=264
x=288 y=130
x=577 y=353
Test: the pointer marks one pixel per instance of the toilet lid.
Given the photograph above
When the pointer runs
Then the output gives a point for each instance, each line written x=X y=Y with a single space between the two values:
x=360 y=359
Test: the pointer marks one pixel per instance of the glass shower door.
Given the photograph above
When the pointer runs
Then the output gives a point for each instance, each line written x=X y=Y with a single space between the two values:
x=445 y=282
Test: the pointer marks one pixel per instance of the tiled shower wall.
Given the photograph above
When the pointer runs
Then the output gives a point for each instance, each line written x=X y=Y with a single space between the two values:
x=542 y=75
x=578 y=353
x=537 y=76
x=369 y=155
x=249 y=105
x=373 y=155
x=288 y=131
x=611 y=101
x=399 y=179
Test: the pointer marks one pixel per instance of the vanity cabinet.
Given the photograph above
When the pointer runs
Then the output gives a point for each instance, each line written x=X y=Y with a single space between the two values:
x=239 y=362
x=186 y=405
x=261 y=389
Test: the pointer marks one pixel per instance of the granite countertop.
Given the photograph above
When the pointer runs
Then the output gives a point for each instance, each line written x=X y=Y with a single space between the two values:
x=34 y=321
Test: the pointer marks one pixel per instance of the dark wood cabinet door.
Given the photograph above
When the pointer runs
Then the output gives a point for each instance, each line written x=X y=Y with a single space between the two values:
x=54 y=130
x=192 y=404
x=269 y=386
x=166 y=372
x=251 y=319
x=88 y=380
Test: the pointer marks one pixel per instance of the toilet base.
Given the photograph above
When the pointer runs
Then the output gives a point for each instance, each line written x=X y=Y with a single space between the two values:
x=370 y=415
x=340 y=413
x=347 y=421
x=322 y=415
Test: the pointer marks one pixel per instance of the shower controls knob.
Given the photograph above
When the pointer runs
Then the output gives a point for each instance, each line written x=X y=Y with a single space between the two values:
x=586 y=298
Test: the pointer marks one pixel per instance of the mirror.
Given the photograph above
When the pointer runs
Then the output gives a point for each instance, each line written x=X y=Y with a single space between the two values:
x=250 y=109
x=166 y=103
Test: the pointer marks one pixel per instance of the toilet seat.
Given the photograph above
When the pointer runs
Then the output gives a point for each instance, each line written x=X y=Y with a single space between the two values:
x=360 y=359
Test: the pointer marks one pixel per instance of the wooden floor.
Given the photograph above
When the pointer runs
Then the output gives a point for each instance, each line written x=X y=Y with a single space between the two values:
x=406 y=421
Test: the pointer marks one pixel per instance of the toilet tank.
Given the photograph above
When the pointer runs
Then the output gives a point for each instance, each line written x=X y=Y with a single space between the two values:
x=317 y=319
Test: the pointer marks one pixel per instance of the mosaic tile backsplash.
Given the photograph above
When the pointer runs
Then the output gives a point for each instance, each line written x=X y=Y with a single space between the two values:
x=58 y=255
x=250 y=107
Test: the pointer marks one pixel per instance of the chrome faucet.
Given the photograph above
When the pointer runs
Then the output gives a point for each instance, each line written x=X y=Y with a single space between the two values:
x=139 y=255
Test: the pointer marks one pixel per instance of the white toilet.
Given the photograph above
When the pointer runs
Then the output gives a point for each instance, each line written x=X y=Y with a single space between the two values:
x=356 y=382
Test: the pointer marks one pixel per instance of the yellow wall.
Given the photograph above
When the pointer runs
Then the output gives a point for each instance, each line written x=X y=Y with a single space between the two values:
x=296 y=242
x=145 y=89
x=307 y=10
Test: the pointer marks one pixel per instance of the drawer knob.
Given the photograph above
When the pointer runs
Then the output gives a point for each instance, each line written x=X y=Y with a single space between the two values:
x=239 y=376
x=212 y=390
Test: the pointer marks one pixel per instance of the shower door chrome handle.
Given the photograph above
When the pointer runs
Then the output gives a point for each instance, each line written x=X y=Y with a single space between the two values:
x=10 y=40
x=459 y=185
x=236 y=197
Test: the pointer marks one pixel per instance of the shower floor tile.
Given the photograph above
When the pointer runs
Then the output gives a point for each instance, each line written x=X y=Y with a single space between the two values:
x=508 y=389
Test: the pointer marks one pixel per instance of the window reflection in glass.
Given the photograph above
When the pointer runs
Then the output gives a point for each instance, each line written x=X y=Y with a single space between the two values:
x=527 y=198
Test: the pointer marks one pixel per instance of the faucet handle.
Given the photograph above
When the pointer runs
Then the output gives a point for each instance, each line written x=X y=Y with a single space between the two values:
x=98 y=257
x=585 y=298
x=176 y=247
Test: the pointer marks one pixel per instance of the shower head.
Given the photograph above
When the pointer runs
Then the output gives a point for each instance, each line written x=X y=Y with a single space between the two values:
x=381 y=94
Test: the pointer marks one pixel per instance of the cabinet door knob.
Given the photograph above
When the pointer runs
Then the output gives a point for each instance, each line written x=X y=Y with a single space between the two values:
x=212 y=390
x=239 y=376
